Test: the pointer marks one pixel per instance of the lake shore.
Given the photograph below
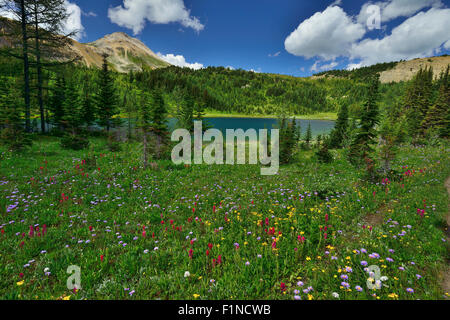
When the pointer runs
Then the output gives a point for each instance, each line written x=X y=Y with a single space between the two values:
x=318 y=116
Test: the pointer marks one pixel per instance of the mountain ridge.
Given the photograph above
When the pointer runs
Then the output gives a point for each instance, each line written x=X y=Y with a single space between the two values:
x=124 y=52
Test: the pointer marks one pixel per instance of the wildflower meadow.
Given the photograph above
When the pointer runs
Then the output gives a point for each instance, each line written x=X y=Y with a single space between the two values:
x=313 y=231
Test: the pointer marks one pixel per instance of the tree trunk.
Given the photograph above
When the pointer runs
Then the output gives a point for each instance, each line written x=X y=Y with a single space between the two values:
x=26 y=66
x=39 y=69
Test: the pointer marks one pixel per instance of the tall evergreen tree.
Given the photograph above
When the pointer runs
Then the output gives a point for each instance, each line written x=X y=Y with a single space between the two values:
x=47 y=36
x=438 y=116
x=56 y=103
x=361 y=146
x=185 y=113
x=73 y=111
x=308 y=135
x=87 y=104
x=418 y=99
x=14 y=31
x=106 y=99
x=339 y=134
x=11 y=124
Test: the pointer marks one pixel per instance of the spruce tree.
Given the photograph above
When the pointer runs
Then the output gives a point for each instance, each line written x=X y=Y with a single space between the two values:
x=87 y=103
x=339 y=134
x=12 y=132
x=56 y=102
x=106 y=99
x=308 y=135
x=438 y=116
x=361 y=146
x=185 y=113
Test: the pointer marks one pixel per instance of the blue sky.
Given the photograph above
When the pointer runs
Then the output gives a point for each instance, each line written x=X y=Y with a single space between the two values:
x=262 y=35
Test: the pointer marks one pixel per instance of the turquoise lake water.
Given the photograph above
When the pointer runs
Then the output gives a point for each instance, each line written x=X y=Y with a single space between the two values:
x=317 y=126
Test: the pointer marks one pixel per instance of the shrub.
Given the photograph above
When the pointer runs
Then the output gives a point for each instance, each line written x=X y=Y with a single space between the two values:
x=74 y=142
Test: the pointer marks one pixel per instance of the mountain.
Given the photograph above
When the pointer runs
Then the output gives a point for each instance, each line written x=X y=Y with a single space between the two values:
x=125 y=53
x=405 y=70
x=391 y=71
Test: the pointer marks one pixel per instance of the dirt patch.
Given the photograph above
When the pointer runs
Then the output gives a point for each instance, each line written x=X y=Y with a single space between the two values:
x=374 y=219
x=446 y=282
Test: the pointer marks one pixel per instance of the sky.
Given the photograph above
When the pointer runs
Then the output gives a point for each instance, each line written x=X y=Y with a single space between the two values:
x=293 y=37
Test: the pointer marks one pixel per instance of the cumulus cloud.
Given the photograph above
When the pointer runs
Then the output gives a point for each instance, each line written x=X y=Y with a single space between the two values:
x=133 y=14
x=393 y=9
x=180 y=61
x=419 y=36
x=332 y=33
x=73 y=23
x=316 y=67
x=326 y=34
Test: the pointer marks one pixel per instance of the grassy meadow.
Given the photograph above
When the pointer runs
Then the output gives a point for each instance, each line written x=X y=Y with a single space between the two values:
x=219 y=232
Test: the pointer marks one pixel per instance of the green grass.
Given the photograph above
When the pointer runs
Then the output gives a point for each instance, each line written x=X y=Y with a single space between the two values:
x=112 y=197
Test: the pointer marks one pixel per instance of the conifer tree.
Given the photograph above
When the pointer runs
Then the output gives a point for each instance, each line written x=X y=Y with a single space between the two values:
x=73 y=111
x=185 y=113
x=56 y=102
x=106 y=99
x=87 y=103
x=418 y=99
x=438 y=116
x=339 y=134
x=361 y=146
x=12 y=132
x=308 y=135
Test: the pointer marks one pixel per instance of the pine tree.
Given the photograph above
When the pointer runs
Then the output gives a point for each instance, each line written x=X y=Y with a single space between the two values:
x=57 y=99
x=159 y=124
x=12 y=132
x=72 y=106
x=438 y=116
x=14 y=31
x=47 y=19
x=288 y=140
x=185 y=113
x=339 y=134
x=418 y=100
x=87 y=103
x=106 y=99
x=308 y=135
x=361 y=146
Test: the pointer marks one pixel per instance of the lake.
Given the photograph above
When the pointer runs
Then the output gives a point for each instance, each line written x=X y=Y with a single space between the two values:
x=317 y=126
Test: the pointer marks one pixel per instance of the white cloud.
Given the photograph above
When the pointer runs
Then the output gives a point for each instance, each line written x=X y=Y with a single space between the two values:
x=73 y=22
x=180 y=61
x=315 y=67
x=406 y=8
x=326 y=34
x=276 y=54
x=332 y=33
x=336 y=3
x=353 y=66
x=133 y=14
x=89 y=14
x=419 y=36
x=393 y=9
